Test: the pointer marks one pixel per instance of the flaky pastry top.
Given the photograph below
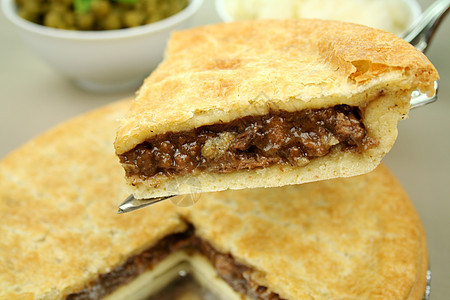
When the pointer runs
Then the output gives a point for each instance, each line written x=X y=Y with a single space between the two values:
x=347 y=238
x=222 y=72
x=58 y=201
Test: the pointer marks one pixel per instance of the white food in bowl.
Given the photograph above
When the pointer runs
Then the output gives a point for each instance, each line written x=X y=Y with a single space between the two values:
x=102 y=61
x=391 y=15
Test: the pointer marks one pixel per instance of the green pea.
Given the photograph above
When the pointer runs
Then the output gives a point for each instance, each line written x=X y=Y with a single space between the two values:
x=84 y=21
x=28 y=15
x=111 y=21
x=100 y=8
x=53 y=19
x=69 y=19
x=133 y=18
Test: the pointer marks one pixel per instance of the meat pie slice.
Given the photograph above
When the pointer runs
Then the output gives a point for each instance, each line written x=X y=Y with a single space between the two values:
x=268 y=103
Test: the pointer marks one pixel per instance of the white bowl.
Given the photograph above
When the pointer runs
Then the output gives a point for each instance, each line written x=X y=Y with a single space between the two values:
x=108 y=60
x=408 y=9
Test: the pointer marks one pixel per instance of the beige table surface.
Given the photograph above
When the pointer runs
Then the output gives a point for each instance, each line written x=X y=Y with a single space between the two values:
x=34 y=97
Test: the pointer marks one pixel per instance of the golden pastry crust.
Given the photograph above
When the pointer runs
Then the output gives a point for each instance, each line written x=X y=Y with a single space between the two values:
x=58 y=198
x=223 y=72
x=348 y=238
x=226 y=71
x=357 y=237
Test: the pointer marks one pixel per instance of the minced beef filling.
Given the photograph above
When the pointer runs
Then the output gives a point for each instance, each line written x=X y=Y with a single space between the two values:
x=251 y=142
x=236 y=275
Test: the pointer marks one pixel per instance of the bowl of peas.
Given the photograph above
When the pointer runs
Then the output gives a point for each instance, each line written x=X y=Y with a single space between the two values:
x=102 y=45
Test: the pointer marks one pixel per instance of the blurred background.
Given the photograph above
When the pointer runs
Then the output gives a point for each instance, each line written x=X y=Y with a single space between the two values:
x=35 y=97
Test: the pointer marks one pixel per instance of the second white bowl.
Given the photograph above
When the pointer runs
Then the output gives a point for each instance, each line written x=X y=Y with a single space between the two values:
x=391 y=15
